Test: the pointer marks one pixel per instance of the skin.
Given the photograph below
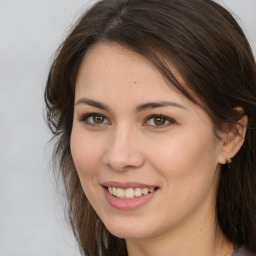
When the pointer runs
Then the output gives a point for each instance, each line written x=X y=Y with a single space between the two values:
x=180 y=154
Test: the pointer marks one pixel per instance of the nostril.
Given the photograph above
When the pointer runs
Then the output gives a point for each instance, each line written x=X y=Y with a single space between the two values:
x=123 y=161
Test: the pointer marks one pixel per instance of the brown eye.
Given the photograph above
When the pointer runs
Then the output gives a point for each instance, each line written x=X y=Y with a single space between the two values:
x=95 y=119
x=98 y=119
x=159 y=121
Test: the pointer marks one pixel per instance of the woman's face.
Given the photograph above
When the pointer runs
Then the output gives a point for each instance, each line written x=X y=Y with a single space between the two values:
x=146 y=156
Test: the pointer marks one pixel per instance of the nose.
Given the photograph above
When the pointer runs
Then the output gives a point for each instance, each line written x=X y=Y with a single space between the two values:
x=123 y=151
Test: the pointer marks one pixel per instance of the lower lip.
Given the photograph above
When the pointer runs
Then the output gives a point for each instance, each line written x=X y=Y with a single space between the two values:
x=127 y=204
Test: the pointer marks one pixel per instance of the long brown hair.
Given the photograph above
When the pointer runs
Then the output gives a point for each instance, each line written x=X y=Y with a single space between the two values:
x=207 y=46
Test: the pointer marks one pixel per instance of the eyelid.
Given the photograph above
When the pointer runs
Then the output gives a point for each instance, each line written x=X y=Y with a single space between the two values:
x=85 y=118
x=171 y=121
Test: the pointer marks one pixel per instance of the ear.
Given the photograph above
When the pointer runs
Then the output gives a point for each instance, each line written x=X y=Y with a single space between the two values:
x=233 y=139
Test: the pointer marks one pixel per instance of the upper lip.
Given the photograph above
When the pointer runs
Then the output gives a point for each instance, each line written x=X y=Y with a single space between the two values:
x=125 y=185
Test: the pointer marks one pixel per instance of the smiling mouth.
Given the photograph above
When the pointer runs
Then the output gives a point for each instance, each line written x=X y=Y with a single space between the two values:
x=130 y=193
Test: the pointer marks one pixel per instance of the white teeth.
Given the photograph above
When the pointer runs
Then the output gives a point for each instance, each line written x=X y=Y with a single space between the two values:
x=114 y=191
x=145 y=191
x=138 y=191
x=120 y=192
x=110 y=190
x=129 y=193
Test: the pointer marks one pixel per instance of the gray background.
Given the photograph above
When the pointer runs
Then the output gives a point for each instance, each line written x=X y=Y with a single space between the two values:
x=31 y=216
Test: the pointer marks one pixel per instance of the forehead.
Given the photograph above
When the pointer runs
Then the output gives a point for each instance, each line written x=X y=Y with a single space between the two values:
x=109 y=66
x=115 y=60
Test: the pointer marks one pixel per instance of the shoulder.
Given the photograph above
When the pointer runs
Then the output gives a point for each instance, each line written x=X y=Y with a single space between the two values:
x=242 y=251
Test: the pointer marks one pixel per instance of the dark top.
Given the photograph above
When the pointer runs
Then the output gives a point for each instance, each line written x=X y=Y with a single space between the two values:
x=241 y=251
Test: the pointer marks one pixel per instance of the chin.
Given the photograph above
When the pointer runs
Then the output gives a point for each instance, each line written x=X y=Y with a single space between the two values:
x=130 y=229
x=129 y=233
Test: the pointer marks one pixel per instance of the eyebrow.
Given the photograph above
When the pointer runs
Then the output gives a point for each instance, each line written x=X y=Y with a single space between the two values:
x=92 y=103
x=139 y=108
x=152 y=105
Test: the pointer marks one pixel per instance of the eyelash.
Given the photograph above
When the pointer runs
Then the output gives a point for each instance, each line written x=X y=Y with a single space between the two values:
x=162 y=117
x=87 y=116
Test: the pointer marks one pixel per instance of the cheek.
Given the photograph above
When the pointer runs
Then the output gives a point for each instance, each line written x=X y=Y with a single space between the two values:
x=86 y=153
x=178 y=154
x=189 y=176
x=186 y=162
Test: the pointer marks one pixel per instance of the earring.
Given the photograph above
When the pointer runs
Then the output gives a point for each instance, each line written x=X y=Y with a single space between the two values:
x=228 y=162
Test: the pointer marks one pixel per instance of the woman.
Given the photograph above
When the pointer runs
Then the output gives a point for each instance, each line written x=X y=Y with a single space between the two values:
x=153 y=107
